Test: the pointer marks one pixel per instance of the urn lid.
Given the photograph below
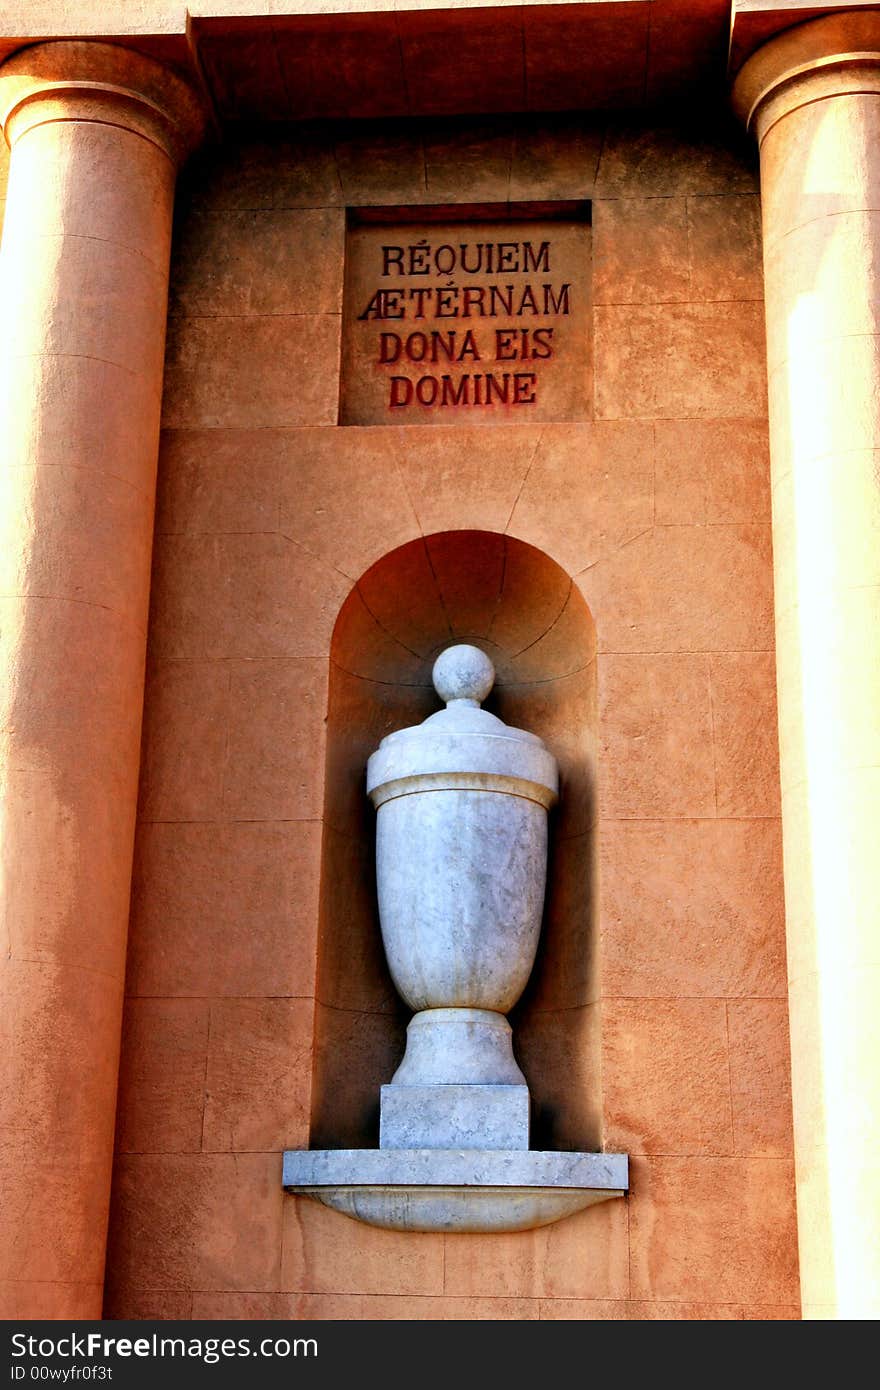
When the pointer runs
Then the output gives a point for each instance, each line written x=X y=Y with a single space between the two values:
x=462 y=746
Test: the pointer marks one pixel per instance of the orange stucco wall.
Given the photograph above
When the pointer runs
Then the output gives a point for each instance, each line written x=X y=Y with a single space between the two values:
x=268 y=513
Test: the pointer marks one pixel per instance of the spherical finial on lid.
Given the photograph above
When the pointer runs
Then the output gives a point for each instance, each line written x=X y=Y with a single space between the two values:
x=463 y=673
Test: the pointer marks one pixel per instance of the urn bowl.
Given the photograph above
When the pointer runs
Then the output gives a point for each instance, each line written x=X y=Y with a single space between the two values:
x=461 y=846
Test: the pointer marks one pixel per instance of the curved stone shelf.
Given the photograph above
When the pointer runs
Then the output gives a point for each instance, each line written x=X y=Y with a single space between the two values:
x=478 y=1191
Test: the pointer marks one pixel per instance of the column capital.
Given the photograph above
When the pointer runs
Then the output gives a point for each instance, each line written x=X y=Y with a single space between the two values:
x=835 y=55
x=81 y=80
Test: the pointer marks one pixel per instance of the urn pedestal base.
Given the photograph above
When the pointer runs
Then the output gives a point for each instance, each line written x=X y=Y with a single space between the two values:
x=458 y=1086
x=458 y=1047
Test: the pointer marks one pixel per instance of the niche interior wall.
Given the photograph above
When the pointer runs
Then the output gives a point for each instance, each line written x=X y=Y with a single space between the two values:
x=524 y=611
x=656 y=507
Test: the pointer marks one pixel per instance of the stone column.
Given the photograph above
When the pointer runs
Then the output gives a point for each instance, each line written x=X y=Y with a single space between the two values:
x=96 y=133
x=812 y=96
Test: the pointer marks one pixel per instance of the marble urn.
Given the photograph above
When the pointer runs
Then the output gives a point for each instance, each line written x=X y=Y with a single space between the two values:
x=461 y=865
x=462 y=804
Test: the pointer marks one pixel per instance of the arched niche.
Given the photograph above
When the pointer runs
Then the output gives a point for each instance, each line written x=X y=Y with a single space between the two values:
x=522 y=608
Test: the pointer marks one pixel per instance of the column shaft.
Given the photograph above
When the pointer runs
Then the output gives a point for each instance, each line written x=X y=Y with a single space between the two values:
x=95 y=134
x=813 y=96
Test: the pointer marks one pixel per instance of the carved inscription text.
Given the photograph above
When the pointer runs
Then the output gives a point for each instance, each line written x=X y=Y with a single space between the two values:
x=484 y=321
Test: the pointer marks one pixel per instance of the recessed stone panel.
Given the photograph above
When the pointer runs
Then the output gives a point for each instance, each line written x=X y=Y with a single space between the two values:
x=467 y=316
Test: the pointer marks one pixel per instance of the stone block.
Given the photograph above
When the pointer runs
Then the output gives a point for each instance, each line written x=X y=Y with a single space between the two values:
x=258 y=1074
x=666 y=1076
x=184 y=740
x=454 y=1117
x=162 y=1076
x=655 y=756
x=724 y=236
x=253 y=373
x=713 y=1230
x=210 y=1222
x=669 y=590
x=225 y=910
x=671 y=361
x=640 y=251
x=692 y=909
x=760 y=1077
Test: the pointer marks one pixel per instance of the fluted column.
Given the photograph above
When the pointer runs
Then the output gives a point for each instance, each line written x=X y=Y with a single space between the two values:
x=812 y=96
x=96 y=134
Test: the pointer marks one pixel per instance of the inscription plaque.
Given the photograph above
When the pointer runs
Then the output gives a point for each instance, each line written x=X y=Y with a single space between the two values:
x=482 y=321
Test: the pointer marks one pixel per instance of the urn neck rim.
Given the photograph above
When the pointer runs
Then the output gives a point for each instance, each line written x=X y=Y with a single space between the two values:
x=498 y=784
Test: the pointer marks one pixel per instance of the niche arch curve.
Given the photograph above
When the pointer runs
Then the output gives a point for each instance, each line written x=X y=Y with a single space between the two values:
x=521 y=606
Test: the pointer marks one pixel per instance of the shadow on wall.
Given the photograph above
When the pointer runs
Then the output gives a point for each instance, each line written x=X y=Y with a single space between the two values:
x=520 y=607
